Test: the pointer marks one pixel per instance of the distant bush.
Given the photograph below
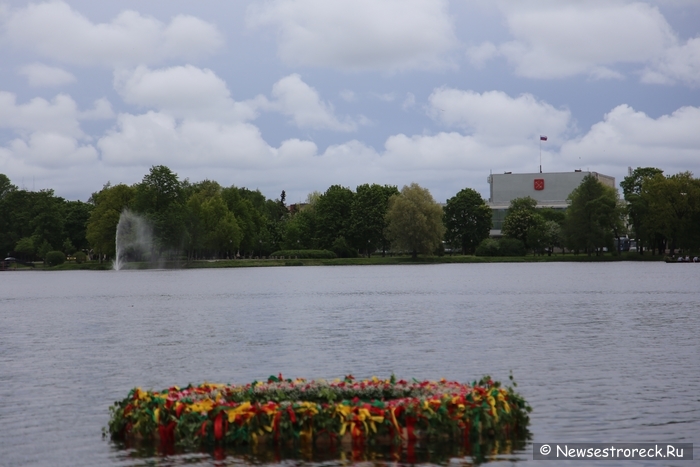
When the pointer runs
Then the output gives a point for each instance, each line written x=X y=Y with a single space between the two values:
x=488 y=247
x=511 y=247
x=80 y=257
x=54 y=258
x=502 y=247
x=305 y=254
x=343 y=249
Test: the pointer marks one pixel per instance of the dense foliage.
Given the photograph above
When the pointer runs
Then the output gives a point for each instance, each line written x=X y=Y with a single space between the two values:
x=467 y=220
x=594 y=217
x=500 y=247
x=414 y=221
x=664 y=210
x=205 y=220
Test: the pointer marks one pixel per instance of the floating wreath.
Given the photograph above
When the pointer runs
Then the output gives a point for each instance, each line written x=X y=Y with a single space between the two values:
x=288 y=411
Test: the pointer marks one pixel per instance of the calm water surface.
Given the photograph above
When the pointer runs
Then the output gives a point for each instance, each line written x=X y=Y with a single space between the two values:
x=603 y=352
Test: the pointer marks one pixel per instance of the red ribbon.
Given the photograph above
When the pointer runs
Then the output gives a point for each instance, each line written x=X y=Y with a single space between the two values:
x=410 y=426
x=219 y=426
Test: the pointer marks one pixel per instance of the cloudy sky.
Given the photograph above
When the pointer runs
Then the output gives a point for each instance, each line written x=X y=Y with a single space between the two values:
x=302 y=94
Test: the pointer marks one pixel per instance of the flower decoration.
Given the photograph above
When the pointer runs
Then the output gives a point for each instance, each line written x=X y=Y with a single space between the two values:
x=372 y=411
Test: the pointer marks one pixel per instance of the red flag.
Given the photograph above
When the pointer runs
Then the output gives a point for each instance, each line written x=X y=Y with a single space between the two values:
x=543 y=138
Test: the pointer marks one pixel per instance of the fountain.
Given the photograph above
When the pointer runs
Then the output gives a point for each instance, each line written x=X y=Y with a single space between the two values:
x=134 y=240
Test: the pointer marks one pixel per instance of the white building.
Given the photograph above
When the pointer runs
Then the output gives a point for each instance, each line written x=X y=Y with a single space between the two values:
x=550 y=190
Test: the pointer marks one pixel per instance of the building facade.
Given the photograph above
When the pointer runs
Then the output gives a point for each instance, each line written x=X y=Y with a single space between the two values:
x=550 y=190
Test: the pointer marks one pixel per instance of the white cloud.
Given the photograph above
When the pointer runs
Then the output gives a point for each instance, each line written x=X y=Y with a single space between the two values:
x=478 y=55
x=359 y=34
x=56 y=31
x=40 y=75
x=497 y=118
x=52 y=150
x=627 y=137
x=48 y=132
x=158 y=138
x=183 y=92
x=295 y=98
x=566 y=38
x=59 y=115
x=679 y=63
x=102 y=110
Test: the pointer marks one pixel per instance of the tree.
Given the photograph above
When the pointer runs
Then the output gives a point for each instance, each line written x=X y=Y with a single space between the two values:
x=368 y=214
x=102 y=226
x=414 y=221
x=536 y=234
x=77 y=217
x=160 y=197
x=673 y=209
x=467 y=220
x=520 y=217
x=300 y=230
x=593 y=216
x=637 y=206
x=333 y=212
x=26 y=248
x=48 y=217
x=221 y=229
x=5 y=186
x=31 y=214
x=242 y=203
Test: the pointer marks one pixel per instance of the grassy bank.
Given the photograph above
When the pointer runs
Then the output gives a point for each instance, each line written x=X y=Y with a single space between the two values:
x=375 y=260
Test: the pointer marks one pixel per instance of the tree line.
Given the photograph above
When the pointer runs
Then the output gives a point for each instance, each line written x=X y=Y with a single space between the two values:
x=205 y=220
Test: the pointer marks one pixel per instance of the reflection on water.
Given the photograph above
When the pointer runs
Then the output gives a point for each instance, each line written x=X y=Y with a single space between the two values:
x=432 y=453
x=602 y=352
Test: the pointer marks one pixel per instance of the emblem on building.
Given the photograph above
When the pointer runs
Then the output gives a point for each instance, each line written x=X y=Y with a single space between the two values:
x=539 y=184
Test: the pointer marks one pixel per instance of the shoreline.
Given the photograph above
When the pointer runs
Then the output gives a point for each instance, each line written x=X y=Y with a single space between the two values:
x=375 y=260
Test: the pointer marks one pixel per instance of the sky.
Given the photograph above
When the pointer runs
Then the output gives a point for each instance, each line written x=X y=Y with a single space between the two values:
x=299 y=95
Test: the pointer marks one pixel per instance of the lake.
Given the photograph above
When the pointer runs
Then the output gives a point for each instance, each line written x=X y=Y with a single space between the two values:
x=604 y=352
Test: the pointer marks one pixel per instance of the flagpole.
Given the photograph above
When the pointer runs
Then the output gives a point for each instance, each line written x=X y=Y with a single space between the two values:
x=542 y=138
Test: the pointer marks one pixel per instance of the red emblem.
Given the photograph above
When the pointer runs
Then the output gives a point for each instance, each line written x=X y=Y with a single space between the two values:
x=539 y=184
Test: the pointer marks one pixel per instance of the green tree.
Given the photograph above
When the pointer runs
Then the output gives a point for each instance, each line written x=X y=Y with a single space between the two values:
x=104 y=217
x=6 y=186
x=160 y=197
x=593 y=216
x=637 y=206
x=222 y=233
x=26 y=248
x=247 y=208
x=68 y=247
x=536 y=234
x=521 y=216
x=16 y=218
x=673 y=204
x=48 y=217
x=467 y=220
x=333 y=211
x=368 y=216
x=77 y=216
x=414 y=221
x=300 y=230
